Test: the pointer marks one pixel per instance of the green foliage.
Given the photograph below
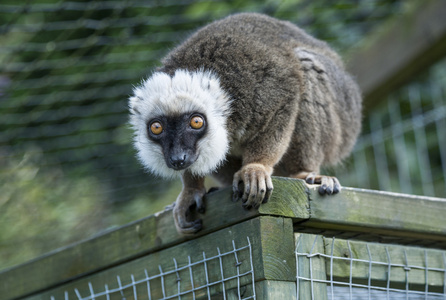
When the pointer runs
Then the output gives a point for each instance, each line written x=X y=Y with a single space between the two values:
x=43 y=208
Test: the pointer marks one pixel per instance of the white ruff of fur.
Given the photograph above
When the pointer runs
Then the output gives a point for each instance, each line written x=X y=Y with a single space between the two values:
x=185 y=92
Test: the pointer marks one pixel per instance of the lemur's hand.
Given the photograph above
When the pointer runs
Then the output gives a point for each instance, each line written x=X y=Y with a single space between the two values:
x=257 y=185
x=189 y=197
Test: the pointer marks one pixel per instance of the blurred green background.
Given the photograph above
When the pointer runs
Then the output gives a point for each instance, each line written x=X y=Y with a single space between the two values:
x=67 y=167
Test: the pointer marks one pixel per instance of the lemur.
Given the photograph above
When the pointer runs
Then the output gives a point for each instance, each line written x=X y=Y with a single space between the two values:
x=241 y=99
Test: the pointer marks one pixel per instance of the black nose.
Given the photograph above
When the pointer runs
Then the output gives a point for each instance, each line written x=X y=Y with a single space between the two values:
x=178 y=162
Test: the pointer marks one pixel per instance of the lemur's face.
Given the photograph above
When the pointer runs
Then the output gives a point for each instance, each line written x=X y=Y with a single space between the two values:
x=178 y=136
x=180 y=123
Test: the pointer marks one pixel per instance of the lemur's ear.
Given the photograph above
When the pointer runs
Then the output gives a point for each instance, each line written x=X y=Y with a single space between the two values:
x=134 y=102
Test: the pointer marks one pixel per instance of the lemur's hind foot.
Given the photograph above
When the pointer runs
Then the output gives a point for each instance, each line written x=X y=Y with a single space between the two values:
x=328 y=184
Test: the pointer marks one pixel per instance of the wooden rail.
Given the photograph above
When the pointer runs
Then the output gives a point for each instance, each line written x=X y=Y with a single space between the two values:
x=362 y=213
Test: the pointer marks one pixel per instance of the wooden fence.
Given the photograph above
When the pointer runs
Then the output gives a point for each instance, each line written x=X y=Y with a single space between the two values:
x=298 y=246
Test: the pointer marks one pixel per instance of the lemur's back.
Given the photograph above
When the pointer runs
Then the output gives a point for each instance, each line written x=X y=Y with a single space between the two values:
x=267 y=64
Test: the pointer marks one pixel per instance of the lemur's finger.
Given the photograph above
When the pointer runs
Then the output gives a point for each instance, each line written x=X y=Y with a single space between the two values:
x=261 y=190
x=269 y=189
x=183 y=226
x=247 y=188
x=236 y=194
x=199 y=201
x=326 y=186
x=253 y=191
x=337 y=185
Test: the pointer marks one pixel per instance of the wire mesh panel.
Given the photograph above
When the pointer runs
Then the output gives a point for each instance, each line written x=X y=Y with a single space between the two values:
x=223 y=274
x=343 y=269
x=403 y=146
x=67 y=68
x=66 y=71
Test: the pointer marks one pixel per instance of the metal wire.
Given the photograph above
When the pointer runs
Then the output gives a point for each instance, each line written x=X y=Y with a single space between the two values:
x=151 y=282
x=352 y=288
x=67 y=68
x=64 y=64
x=403 y=151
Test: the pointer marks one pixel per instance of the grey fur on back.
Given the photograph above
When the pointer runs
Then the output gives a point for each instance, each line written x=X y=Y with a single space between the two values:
x=280 y=80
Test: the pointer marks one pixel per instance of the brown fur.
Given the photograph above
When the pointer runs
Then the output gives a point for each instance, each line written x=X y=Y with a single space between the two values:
x=294 y=108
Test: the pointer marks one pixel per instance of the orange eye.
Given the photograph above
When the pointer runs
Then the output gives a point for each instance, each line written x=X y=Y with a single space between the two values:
x=156 y=128
x=196 y=122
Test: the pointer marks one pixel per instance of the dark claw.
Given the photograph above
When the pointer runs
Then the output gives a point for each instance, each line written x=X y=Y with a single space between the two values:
x=199 y=202
x=213 y=189
x=201 y=209
x=198 y=224
x=238 y=196
x=336 y=189
x=192 y=228
x=322 y=190
x=235 y=196
x=246 y=206
x=267 y=195
x=237 y=193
